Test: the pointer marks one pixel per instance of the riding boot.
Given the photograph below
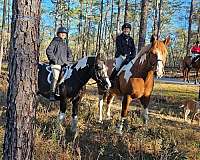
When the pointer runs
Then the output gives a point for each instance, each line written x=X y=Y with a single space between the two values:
x=113 y=76
x=52 y=90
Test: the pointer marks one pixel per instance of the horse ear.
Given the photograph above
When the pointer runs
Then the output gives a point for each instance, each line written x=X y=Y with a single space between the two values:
x=167 y=40
x=153 y=38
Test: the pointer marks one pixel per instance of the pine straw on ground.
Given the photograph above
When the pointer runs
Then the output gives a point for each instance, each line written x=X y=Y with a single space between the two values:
x=166 y=137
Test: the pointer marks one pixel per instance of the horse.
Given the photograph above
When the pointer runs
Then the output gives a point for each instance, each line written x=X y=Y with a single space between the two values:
x=187 y=66
x=136 y=79
x=74 y=78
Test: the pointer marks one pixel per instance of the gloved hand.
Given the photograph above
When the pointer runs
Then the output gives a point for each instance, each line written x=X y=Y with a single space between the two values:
x=52 y=62
x=64 y=65
x=127 y=60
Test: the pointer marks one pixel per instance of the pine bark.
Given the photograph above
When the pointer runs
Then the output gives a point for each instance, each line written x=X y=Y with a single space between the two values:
x=143 y=24
x=189 y=27
x=21 y=96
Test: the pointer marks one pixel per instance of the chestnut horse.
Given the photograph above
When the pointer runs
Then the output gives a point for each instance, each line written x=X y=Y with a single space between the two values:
x=136 y=79
x=187 y=66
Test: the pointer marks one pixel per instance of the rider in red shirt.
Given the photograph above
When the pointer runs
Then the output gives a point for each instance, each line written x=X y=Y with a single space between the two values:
x=195 y=50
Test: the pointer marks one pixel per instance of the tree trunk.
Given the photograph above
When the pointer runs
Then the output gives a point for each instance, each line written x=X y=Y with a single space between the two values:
x=56 y=18
x=84 y=31
x=155 y=19
x=89 y=27
x=118 y=17
x=143 y=24
x=110 y=31
x=68 y=22
x=21 y=96
x=189 y=27
x=101 y=26
x=2 y=33
x=126 y=12
x=159 y=19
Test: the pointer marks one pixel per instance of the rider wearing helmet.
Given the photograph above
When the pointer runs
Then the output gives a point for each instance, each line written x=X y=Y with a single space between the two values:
x=195 y=50
x=59 y=55
x=125 y=49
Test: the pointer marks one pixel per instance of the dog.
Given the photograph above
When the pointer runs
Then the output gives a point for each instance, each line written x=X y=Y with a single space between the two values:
x=193 y=107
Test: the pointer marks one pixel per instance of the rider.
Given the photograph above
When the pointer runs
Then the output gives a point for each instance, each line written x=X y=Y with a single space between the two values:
x=195 y=50
x=125 y=49
x=59 y=54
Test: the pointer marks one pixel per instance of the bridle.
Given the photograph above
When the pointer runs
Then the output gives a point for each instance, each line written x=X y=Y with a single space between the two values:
x=153 y=65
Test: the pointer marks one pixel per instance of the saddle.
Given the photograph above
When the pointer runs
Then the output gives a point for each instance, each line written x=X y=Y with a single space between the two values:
x=113 y=76
x=194 y=59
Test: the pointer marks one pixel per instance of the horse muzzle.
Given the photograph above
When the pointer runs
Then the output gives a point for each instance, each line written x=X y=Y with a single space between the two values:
x=105 y=84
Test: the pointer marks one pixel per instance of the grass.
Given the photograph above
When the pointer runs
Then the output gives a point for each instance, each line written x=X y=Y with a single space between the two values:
x=166 y=137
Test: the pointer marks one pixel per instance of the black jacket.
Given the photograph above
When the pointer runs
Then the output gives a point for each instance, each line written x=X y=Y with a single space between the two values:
x=125 y=46
x=58 y=52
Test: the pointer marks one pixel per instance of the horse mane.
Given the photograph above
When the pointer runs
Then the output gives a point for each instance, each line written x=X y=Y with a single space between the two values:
x=143 y=51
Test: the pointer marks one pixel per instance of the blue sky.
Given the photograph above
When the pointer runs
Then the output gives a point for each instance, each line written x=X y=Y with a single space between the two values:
x=49 y=20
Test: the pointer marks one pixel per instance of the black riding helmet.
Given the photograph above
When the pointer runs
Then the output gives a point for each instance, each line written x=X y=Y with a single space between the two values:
x=126 y=25
x=62 y=30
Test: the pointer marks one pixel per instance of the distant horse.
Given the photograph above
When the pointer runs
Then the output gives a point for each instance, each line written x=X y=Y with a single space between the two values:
x=187 y=66
x=72 y=82
x=136 y=79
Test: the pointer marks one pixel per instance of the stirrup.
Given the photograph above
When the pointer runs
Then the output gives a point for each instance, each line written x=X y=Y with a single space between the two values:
x=52 y=97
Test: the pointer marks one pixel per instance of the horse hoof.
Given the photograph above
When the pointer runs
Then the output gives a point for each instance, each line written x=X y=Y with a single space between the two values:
x=61 y=117
x=73 y=129
x=145 y=121
x=119 y=131
x=100 y=121
x=74 y=124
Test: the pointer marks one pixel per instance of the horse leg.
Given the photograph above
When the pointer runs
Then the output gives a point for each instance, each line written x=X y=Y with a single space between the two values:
x=186 y=113
x=125 y=103
x=110 y=99
x=145 y=102
x=75 y=103
x=63 y=104
x=196 y=76
x=184 y=75
x=187 y=74
x=100 y=106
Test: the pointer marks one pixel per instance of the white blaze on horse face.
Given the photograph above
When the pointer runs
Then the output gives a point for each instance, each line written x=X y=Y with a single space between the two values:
x=105 y=72
x=143 y=58
x=108 y=81
x=82 y=63
x=160 y=66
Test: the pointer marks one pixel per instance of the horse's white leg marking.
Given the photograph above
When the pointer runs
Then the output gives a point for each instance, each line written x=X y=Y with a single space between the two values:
x=121 y=125
x=146 y=115
x=74 y=124
x=187 y=111
x=108 y=107
x=61 y=117
x=100 y=107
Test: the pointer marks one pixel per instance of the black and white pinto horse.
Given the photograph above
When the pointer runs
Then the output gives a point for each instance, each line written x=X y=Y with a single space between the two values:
x=75 y=77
